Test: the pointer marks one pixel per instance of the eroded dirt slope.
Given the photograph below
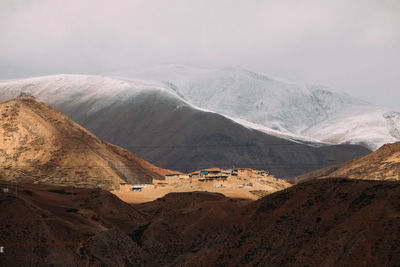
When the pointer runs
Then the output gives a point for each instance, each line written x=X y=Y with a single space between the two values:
x=383 y=164
x=65 y=226
x=329 y=222
x=41 y=145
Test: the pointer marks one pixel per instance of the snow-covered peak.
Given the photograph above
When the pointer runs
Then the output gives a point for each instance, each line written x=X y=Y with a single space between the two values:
x=288 y=107
x=98 y=92
x=80 y=88
x=54 y=87
x=296 y=111
x=72 y=83
x=275 y=103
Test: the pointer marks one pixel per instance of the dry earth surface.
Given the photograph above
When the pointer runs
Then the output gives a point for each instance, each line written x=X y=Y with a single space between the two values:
x=329 y=222
x=383 y=164
x=246 y=188
x=41 y=145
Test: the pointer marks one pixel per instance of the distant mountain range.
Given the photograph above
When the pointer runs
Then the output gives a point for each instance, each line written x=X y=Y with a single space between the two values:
x=304 y=110
x=154 y=122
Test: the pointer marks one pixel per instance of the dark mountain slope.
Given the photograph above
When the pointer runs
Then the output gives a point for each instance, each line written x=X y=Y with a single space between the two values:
x=176 y=136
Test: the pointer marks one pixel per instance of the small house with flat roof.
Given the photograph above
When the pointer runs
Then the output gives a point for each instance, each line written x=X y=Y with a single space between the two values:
x=125 y=187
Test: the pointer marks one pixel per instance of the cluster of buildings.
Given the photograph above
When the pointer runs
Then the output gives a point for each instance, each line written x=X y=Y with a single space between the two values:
x=213 y=177
x=216 y=173
x=25 y=94
x=126 y=187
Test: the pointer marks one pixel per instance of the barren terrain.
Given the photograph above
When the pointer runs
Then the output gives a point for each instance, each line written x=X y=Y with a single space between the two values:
x=245 y=188
x=330 y=222
x=383 y=164
x=41 y=145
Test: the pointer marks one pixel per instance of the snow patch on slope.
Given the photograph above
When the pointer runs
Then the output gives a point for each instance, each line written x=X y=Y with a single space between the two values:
x=97 y=91
x=298 y=112
x=302 y=110
x=282 y=105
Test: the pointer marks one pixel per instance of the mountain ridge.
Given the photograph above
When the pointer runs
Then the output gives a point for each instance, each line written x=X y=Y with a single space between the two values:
x=304 y=110
x=383 y=164
x=42 y=145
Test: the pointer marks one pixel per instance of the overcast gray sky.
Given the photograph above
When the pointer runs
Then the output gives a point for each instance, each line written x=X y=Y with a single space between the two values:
x=351 y=45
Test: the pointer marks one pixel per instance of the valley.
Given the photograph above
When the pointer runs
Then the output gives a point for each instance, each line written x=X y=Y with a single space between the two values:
x=234 y=183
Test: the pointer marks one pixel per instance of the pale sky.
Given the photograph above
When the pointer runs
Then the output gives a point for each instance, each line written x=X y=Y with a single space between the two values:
x=350 y=45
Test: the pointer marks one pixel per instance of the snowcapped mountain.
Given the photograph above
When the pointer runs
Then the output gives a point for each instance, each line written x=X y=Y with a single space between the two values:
x=303 y=110
x=71 y=90
x=151 y=120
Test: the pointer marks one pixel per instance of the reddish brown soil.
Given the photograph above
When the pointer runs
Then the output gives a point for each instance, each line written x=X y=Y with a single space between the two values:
x=331 y=222
x=65 y=226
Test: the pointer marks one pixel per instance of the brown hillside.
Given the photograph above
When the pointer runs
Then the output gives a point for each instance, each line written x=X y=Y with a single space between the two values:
x=383 y=164
x=41 y=145
x=64 y=226
x=329 y=222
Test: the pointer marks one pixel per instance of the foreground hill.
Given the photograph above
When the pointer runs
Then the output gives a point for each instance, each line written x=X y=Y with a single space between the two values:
x=383 y=164
x=65 y=226
x=156 y=124
x=333 y=222
x=41 y=145
x=313 y=111
x=330 y=222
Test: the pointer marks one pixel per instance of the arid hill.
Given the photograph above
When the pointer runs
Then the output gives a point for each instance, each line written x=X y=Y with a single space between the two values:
x=329 y=222
x=41 y=145
x=383 y=164
x=64 y=226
